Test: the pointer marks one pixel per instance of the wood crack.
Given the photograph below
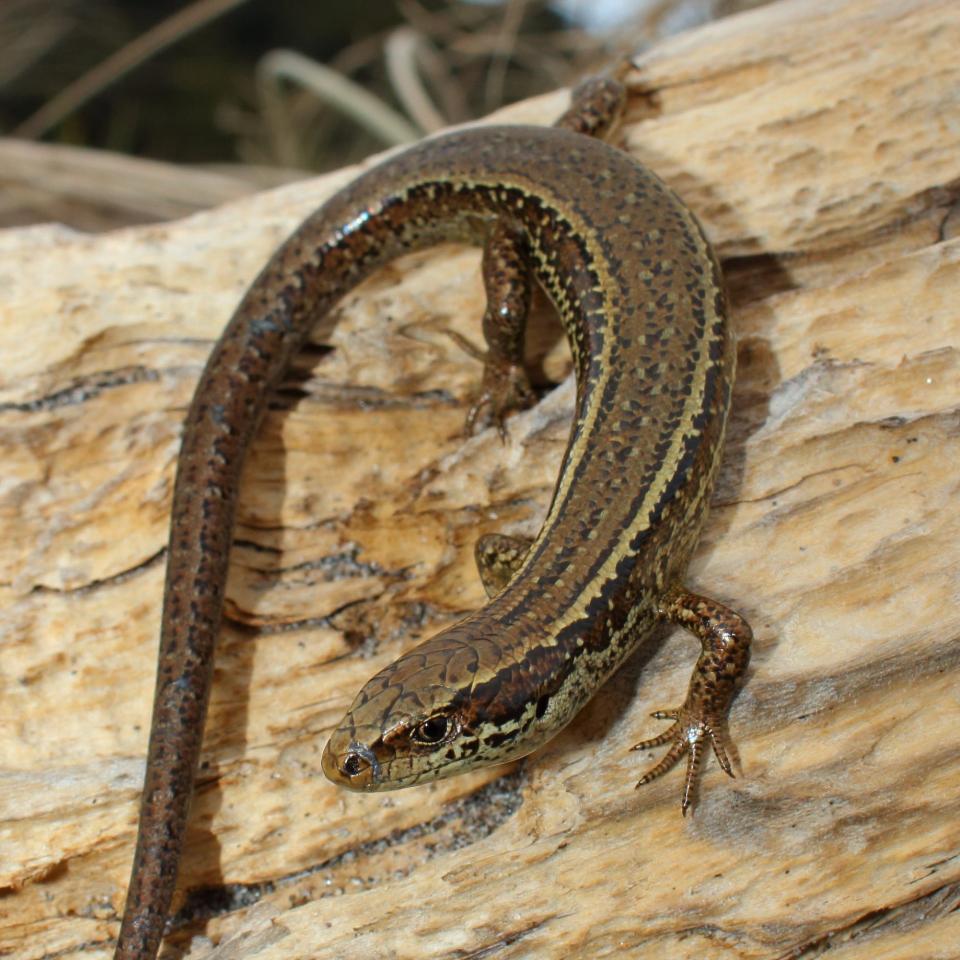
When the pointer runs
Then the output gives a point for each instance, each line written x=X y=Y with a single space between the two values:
x=84 y=388
x=459 y=825
x=907 y=915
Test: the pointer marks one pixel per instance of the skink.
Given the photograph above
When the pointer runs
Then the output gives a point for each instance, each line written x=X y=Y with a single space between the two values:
x=640 y=295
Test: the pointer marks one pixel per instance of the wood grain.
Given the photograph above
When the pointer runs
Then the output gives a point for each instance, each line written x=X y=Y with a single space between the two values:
x=820 y=143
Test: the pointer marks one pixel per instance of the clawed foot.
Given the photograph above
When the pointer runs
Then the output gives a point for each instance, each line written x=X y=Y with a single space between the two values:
x=504 y=391
x=691 y=729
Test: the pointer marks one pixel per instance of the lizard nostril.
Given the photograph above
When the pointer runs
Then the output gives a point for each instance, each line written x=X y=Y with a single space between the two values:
x=353 y=764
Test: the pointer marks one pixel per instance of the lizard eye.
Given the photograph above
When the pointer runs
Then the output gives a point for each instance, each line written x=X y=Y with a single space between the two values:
x=434 y=730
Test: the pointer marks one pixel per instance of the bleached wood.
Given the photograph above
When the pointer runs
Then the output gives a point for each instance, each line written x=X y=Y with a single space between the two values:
x=820 y=143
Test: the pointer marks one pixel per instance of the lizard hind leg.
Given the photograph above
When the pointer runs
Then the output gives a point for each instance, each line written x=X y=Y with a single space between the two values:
x=498 y=558
x=595 y=106
x=702 y=719
x=508 y=284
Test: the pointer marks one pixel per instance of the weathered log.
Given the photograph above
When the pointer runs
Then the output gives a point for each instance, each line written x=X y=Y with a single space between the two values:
x=99 y=190
x=820 y=144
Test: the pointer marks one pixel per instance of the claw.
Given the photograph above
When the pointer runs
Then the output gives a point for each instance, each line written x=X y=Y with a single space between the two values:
x=486 y=413
x=687 y=735
x=505 y=390
x=669 y=734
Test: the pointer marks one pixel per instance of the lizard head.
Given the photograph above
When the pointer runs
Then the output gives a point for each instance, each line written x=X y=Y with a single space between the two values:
x=433 y=713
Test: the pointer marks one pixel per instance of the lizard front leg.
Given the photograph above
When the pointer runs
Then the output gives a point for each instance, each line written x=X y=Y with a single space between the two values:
x=725 y=653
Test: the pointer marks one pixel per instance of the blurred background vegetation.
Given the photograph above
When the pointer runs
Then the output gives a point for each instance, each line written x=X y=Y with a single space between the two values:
x=239 y=94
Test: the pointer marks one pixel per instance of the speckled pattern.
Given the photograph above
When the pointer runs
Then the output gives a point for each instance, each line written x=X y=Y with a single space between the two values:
x=640 y=296
x=725 y=637
x=498 y=558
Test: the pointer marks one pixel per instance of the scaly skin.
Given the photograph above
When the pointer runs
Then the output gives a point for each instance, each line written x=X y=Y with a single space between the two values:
x=639 y=293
